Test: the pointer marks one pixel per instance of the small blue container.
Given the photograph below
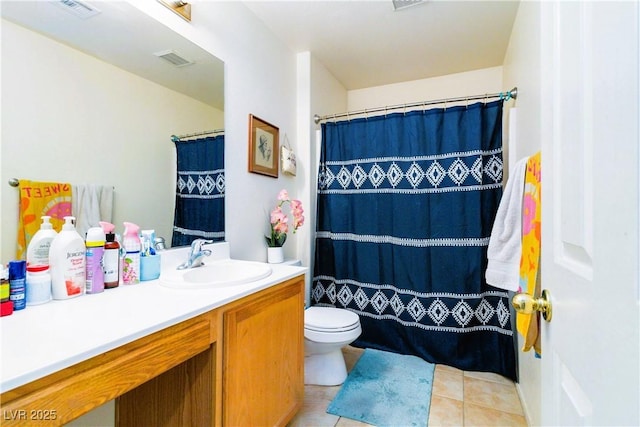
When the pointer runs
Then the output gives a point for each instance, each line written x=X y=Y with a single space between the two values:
x=149 y=267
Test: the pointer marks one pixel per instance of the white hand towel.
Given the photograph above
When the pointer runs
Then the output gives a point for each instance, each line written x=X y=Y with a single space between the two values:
x=90 y=204
x=505 y=243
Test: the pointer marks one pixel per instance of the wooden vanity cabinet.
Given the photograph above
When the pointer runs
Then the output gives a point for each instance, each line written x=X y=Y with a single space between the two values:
x=238 y=365
x=263 y=356
x=252 y=375
x=183 y=396
x=71 y=392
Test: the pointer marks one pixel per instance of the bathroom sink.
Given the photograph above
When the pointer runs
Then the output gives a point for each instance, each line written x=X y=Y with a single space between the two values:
x=215 y=274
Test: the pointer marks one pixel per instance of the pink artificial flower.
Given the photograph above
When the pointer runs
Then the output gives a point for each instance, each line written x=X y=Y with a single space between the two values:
x=279 y=220
x=297 y=211
x=277 y=215
x=296 y=207
x=297 y=222
x=281 y=227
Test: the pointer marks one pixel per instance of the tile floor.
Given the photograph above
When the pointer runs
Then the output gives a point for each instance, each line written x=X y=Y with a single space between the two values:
x=458 y=399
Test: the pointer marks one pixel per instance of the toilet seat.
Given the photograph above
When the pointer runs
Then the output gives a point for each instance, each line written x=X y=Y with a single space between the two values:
x=331 y=325
x=326 y=331
x=329 y=319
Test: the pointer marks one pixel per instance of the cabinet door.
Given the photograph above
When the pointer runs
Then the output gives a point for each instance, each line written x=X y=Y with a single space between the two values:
x=263 y=378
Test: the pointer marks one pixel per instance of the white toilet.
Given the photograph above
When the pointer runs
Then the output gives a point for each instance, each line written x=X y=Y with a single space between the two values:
x=326 y=331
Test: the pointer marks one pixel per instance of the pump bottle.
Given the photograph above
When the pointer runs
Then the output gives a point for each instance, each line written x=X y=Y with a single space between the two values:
x=67 y=262
x=38 y=249
x=132 y=246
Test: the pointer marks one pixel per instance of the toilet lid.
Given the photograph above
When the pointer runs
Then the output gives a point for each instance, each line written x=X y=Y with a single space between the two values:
x=329 y=319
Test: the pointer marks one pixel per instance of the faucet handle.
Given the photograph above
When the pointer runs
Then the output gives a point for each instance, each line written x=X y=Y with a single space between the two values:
x=196 y=245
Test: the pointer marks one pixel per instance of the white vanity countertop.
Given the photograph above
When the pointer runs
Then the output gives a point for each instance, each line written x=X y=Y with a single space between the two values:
x=43 y=339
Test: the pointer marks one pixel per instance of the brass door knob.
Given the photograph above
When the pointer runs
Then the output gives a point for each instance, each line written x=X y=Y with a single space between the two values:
x=526 y=304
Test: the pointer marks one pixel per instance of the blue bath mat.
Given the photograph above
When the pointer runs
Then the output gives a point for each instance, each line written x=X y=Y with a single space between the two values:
x=386 y=389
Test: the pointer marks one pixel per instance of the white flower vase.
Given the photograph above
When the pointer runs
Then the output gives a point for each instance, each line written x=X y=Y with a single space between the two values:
x=275 y=255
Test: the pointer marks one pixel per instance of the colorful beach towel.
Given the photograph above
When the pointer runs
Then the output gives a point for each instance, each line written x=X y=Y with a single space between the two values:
x=38 y=199
x=528 y=324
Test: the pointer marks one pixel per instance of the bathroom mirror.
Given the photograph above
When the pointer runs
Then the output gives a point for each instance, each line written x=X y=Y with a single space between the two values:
x=73 y=119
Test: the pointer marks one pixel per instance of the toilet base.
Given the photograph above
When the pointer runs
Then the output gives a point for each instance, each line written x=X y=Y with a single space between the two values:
x=325 y=369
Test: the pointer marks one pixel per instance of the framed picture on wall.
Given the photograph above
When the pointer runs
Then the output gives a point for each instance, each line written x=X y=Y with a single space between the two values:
x=263 y=147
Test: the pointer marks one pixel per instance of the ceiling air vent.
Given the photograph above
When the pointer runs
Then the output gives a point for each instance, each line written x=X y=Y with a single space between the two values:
x=174 y=58
x=80 y=9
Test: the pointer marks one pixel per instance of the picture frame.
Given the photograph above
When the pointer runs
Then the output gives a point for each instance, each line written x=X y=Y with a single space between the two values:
x=263 y=147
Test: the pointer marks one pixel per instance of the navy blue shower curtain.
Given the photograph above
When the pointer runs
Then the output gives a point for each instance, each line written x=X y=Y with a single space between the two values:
x=200 y=185
x=406 y=203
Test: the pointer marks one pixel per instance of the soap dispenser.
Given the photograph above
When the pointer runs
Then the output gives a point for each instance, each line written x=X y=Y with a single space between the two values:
x=132 y=246
x=67 y=262
x=38 y=249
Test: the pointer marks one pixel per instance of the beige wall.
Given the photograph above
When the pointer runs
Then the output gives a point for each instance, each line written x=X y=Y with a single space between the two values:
x=318 y=92
x=522 y=69
x=68 y=117
x=487 y=80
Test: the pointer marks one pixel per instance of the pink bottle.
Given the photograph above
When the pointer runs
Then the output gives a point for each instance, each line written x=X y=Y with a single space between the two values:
x=132 y=246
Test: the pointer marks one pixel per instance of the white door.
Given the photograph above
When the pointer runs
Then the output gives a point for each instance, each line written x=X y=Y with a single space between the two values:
x=590 y=195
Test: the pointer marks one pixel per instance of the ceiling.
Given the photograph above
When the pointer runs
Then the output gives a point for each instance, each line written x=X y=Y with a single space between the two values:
x=365 y=43
x=124 y=36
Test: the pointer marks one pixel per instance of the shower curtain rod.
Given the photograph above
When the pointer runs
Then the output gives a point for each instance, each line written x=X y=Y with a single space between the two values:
x=190 y=135
x=512 y=94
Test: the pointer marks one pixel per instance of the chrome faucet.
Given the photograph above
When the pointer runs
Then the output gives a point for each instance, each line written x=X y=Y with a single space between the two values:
x=196 y=254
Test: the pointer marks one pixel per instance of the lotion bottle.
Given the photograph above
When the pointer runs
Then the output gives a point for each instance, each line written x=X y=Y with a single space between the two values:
x=111 y=260
x=38 y=249
x=95 y=252
x=67 y=262
x=132 y=246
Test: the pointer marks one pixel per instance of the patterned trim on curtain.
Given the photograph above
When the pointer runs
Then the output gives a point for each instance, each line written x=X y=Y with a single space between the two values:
x=200 y=189
x=406 y=204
